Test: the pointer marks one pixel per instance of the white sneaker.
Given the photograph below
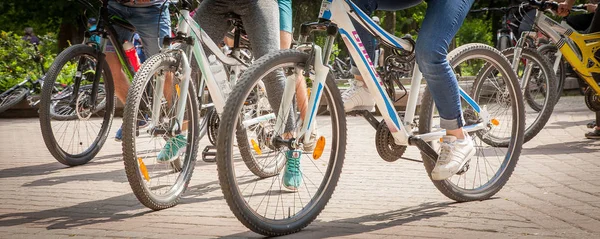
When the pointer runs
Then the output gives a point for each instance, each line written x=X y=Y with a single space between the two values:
x=454 y=154
x=357 y=97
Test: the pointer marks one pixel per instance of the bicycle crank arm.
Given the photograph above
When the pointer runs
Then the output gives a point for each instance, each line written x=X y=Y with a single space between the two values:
x=424 y=147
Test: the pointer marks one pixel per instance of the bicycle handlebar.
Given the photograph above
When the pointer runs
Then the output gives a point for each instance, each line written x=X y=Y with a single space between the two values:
x=543 y=5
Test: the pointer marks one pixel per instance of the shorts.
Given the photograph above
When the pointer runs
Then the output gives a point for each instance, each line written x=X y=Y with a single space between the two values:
x=285 y=15
x=151 y=23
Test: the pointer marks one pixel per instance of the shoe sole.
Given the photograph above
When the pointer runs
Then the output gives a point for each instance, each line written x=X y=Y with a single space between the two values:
x=461 y=166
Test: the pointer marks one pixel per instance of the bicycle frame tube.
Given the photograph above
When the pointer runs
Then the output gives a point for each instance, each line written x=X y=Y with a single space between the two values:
x=569 y=42
x=339 y=12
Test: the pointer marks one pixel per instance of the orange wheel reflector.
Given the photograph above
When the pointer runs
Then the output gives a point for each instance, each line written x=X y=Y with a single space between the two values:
x=177 y=90
x=143 y=169
x=256 y=147
x=319 y=148
x=495 y=122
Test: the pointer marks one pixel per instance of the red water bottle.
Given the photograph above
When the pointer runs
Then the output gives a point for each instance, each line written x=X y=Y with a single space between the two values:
x=131 y=54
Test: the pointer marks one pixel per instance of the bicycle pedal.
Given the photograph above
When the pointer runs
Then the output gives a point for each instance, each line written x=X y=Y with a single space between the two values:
x=464 y=169
x=209 y=154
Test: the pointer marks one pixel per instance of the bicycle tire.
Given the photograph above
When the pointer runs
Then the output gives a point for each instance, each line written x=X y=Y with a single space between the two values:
x=50 y=140
x=544 y=110
x=133 y=169
x=465 y=52
x=13 y=98
x=548 y=51
x=225 y=161
x=61 y=116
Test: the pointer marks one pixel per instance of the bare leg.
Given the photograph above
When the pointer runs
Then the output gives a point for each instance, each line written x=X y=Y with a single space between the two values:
x=119 y=78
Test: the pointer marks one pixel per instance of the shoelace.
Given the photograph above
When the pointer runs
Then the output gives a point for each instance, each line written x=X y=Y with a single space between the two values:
x=351 y=90
x=293 y=165
x=446 y=150
x=176 y=141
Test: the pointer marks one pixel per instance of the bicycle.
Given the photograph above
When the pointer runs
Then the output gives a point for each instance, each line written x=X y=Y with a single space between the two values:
x=341 y=68
x=162 y=96
x=265 y=207
x=579 y=50
x=555 y=56
x=77 y=139
x=28 y=88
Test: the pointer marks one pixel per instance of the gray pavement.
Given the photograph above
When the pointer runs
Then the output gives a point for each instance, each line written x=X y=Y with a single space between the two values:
x=554 y=192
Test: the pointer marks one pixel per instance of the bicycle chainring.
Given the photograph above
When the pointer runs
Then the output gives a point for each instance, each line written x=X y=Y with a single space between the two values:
x=387 y=149
x=592 y=100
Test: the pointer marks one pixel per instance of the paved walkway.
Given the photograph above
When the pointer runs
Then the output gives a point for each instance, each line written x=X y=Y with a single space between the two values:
x=554 y=192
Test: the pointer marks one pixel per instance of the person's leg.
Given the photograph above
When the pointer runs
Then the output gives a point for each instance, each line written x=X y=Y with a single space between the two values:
x=285 y=23
x=357 y=97
x=261 y=21
x=442 y=20
x=595 y=134
x=153 y=24
x=580 y=22
x=120 y=80
x=595 y=24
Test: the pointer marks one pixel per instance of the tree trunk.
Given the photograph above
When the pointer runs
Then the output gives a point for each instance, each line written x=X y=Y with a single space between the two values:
x=390 y=22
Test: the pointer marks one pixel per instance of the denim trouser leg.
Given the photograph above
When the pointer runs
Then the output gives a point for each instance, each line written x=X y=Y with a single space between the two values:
x=152 y=23
x=442 y=20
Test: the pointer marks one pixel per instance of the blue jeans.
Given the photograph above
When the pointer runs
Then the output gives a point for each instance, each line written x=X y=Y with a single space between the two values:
x=442 y=20
x=151 y=23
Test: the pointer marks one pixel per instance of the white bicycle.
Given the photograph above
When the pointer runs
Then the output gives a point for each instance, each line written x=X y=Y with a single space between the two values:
x=313 y=133
x=165 y=104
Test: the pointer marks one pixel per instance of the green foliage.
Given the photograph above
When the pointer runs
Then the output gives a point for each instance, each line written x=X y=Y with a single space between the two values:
x=475 y=30
x=17 y=58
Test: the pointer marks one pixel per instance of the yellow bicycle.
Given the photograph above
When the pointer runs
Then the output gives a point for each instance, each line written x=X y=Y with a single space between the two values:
x=579 y=50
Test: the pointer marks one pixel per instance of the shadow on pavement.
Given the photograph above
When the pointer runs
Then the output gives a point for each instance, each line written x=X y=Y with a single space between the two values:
x=106 y=210
x=564 y=124
x=367 y=223
x=49 y=168
x=576 y=147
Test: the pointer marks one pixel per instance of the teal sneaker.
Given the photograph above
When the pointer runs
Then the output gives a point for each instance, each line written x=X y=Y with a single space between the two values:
x=172 y=149
x=292 y=175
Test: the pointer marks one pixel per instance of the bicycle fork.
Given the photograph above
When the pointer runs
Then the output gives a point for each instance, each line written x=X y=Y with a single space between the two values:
x=524 y=81
x=182 y=93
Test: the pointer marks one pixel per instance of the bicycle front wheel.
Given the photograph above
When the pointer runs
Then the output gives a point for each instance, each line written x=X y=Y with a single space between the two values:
x=77 y=133
x=540 y=92
x=280 y=201
x=498 y=145
x=159 y=152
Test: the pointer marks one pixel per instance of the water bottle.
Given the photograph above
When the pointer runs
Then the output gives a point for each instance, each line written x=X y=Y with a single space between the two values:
x=132 y=56
x=217 y=69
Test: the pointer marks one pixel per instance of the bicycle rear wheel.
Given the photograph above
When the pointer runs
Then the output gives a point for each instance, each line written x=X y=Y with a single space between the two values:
x=77 y=138
x=261 y=201
x=499 y=144
x=158 y=184
x=9 y=99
